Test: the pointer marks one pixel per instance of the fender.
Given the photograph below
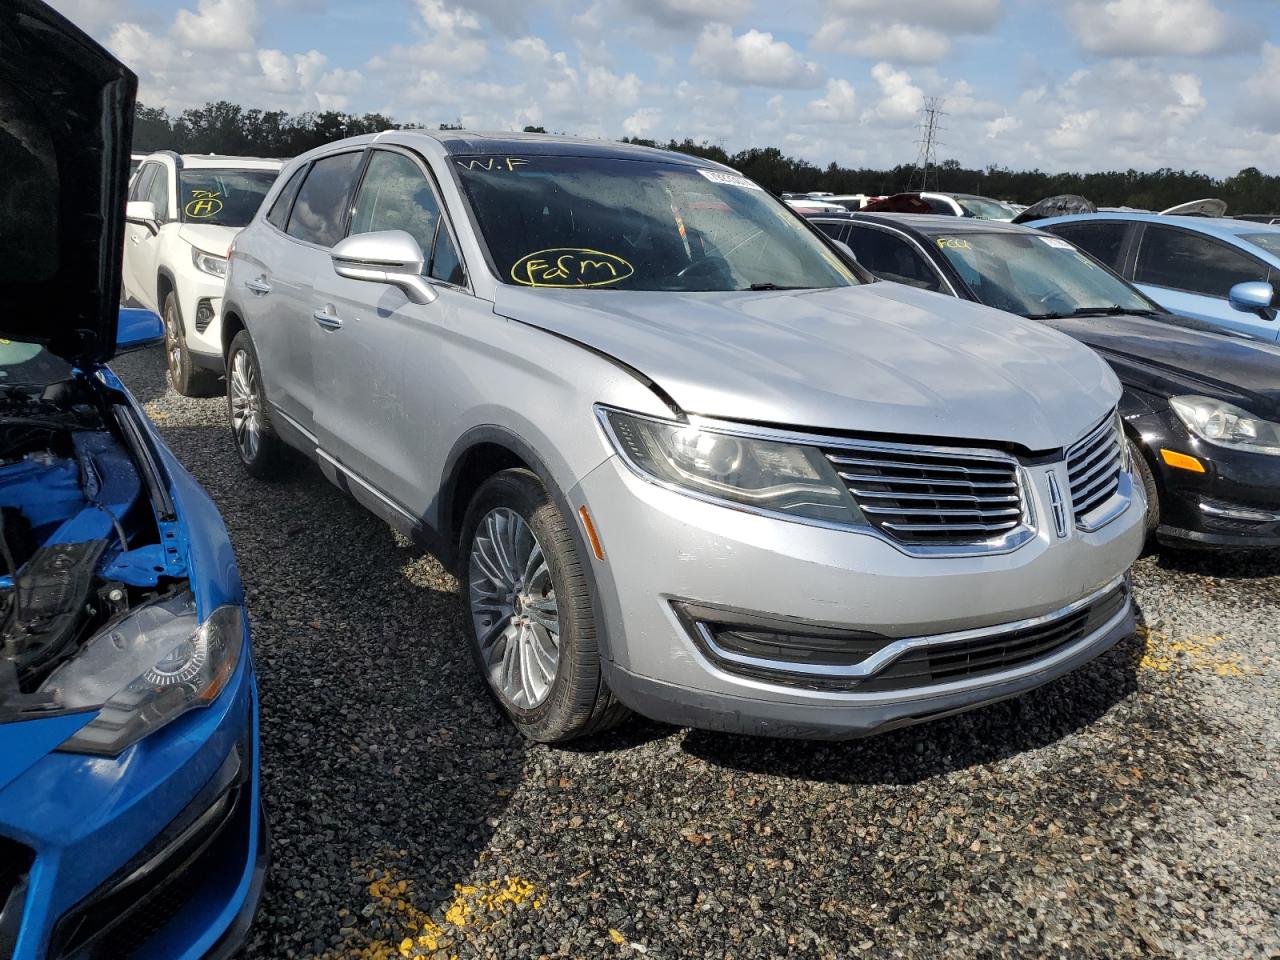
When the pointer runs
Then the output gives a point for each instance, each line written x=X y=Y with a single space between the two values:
x=450 y=520
x=164 y=273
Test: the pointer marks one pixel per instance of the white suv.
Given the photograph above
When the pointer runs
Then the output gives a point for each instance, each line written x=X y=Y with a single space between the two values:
x=183 y=213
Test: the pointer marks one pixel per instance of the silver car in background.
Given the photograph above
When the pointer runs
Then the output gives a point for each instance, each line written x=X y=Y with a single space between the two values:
x=684 y=455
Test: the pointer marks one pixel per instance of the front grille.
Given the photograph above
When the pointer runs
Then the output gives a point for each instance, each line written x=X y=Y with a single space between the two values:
x=1093 y=468
x=995 y=652
x=15 y=862
x=924 y=495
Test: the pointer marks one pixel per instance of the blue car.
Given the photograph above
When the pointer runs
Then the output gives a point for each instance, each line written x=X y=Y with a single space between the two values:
x=130 y=816
x=1224 y=272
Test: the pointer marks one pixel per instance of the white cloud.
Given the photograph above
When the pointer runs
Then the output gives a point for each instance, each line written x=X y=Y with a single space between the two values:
x=895 y=42
x=643 y=122
x=970 y=16
x=1153 y=27
x=1259 y=104
x=837 y=105
x=900 y=99
x=217 y=25
x=685 y=13
x=1000 y=126
x=753 y=58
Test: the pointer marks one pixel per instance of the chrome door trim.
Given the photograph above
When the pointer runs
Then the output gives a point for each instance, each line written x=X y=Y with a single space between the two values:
x=364 y=484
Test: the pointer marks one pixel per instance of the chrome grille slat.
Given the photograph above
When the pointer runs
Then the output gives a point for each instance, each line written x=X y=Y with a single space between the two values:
x=914 y=481
x=933 y=496
x=970 y=498
x=948 y=512
x=1093 y=468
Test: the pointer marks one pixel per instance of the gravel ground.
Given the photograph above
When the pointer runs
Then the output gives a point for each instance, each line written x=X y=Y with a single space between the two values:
x=1129 y=809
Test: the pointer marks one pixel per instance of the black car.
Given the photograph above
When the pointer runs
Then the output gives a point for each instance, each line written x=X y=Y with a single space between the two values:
x=1201 y=405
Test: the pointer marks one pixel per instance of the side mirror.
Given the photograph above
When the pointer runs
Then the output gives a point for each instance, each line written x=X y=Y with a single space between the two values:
x=846 y=250
x=387 y=256
x=138 y=328
x=143 y=213
x=1254 y=296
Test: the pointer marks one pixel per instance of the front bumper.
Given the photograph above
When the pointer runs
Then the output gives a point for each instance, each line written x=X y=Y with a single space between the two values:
x=204 y=336
x=158 y=854
x=1234 y=504
x=663 y=547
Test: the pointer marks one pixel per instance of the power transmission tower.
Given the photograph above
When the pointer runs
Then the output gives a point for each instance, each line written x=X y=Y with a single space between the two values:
x=925 y=173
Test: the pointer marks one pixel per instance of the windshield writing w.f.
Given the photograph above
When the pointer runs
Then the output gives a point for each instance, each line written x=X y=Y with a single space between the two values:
x=590 y=223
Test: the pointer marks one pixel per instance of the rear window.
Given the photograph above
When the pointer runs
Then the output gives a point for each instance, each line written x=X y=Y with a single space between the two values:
x=223 y=197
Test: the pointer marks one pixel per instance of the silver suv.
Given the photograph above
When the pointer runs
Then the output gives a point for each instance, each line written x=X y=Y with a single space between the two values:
x=684 y=455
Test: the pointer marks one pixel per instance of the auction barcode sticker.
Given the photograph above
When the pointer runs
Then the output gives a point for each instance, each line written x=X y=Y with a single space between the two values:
x=1059 y=244
x=729 y=179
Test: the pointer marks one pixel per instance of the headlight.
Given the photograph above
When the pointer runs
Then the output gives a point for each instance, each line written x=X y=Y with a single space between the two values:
x=146 y=670
x=209 y=263
x=767 y=476
x=1227 y=425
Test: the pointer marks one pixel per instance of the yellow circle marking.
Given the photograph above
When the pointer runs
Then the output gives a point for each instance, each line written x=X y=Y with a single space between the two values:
x=570 y=267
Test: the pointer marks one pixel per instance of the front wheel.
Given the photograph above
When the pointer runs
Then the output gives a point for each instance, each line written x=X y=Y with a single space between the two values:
x=260 y=449
x=187 y=379
x=533 y=631
x=1143 y=470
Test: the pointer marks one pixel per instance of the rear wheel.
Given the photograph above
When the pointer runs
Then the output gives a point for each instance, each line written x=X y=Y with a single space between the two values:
x=188 y=379
x=260 y=449
x=533 y=631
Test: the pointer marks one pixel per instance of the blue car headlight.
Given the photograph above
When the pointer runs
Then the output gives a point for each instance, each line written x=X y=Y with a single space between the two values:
x=146 y=669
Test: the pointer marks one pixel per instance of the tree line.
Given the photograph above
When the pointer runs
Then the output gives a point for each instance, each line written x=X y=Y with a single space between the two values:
x=228 y=128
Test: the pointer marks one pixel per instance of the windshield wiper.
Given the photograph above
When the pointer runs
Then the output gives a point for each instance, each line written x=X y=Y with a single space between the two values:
x=1115 y=310
x=771 y=286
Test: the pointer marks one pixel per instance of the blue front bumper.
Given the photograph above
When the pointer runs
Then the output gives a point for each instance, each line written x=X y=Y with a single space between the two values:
x=158 y=854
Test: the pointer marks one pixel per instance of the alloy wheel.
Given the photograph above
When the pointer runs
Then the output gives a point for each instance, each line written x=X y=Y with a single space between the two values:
x=246 y=409
x=513 y=608
x=172 y=345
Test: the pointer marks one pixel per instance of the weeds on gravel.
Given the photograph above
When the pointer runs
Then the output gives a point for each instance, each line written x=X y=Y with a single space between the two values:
x=1194 y=653
x=474 y=909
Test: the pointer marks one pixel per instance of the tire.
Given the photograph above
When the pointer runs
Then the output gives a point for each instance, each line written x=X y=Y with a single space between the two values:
x=259 y=447
x=551 y=686
x=1148 y=480
x=186 y=378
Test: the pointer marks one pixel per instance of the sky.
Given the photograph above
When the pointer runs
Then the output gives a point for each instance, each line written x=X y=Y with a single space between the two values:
x=1074 y=85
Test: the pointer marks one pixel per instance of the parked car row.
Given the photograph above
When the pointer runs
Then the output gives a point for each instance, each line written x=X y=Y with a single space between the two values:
x=688 y=454
x=1201 y=406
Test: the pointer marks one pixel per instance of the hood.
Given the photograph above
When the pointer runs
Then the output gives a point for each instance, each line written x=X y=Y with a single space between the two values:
x=209 y=237
x=879 y=358
x=1167 y=355
x=66 y=120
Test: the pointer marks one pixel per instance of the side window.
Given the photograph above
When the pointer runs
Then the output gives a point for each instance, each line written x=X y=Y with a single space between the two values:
x=832 y=230
x=158 y=192
x=940 y=206
x=320 y=212
x=1103 y=239
x=396 y=196
x=1182 y=260
x=142 y=182
x=445 y=264
x=278 y=216
x=892 y=258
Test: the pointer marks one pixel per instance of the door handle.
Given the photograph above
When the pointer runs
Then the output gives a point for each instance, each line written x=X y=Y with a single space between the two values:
x=327 y=320
x=258 y=286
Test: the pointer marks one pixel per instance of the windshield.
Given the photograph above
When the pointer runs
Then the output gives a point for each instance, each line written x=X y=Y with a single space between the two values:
x=985 y=209
x=1037 y=276
x=584 y=222
x=225 y=198
x=1269 y=242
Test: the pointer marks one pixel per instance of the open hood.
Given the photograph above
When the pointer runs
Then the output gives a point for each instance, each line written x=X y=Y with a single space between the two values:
x=66 y=121
x=1197 y=208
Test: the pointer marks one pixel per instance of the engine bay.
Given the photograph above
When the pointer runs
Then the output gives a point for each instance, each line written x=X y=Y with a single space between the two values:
x=84 y=534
